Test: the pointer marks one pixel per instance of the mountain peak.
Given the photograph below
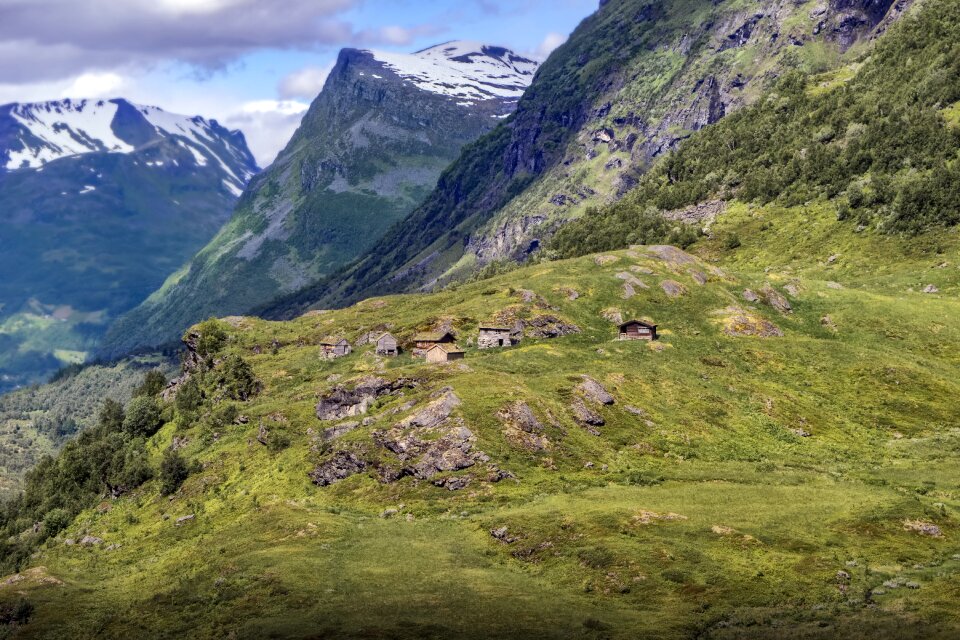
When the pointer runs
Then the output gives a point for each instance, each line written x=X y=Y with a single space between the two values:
x=35 y=134
x=464 y=70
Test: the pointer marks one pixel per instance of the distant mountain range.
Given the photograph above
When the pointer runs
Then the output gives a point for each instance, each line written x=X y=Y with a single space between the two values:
x=99 y=202
x=369 y=150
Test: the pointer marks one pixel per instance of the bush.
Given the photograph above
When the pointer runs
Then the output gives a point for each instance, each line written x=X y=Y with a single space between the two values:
x=143 y=417
x=174 y=470
x=237 y=379
x=212 y=338
x=56 y=521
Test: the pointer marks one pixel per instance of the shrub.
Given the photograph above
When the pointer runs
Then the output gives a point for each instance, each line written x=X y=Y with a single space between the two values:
x=173 y=472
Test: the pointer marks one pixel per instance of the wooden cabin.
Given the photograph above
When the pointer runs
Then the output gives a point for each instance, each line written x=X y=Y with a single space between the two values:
x=334 y=347
x=444 y=352
x=637 y=330
x=387 y=345
x=493 y=337
x=424 y=341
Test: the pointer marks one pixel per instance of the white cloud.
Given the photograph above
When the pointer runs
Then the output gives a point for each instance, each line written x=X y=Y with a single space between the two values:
x=268 y=125
x=95 y=85
x=550 y=42
x=305 y=83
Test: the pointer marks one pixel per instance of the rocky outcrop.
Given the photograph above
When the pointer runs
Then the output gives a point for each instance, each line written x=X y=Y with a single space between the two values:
x=345 y=402
x=548 y=326
x=776 y=299
x=340 y=466
x=522 y=427
x=586 y=417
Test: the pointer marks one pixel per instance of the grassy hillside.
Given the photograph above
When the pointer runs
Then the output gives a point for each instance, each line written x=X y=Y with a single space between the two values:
x=794 y=485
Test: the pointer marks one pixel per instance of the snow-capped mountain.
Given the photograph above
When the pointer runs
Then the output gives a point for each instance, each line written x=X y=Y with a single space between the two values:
x=463 y=70
x=100 y=200
x=372 y=145
x=33 y=135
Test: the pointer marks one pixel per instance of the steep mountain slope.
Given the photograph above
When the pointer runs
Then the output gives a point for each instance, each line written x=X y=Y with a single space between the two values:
x=633 y=80
x=368 y=151
x=100 y=201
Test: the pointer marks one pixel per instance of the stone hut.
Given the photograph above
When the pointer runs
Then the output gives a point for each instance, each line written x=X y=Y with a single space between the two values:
x=424 y=341
x=369 y=337
x=494 y=336
x=334 y=347
x=444 y=352
x=637 y=330
x=387 y=345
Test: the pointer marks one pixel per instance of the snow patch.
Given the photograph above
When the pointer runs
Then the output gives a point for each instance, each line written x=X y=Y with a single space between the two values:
x=468 y=71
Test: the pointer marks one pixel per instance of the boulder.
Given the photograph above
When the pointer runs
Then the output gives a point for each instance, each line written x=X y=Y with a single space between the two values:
x=594 y=391
x=182 y=520
x=930 y=288
x=776 y=299
x=605 y=260
x=586 y=417
x=613 y=315
x=522 y=427
x=548 y=326
x=90 y=541
x=332 y=433
x=750 y=296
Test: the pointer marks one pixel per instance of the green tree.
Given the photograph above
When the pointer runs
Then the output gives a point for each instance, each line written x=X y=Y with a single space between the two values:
x=153 y=383
x=143 y=417
x=111 y=416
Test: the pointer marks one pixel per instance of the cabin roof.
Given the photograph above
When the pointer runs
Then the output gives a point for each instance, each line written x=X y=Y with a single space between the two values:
x=435 y=336
x=385 y=334
x=648 y=325
x=332 y=341
x=493 y=327
x=448 y=348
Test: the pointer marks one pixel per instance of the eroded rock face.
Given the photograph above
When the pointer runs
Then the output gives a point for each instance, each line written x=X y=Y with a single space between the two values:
x=342 y=465
x=673 y=288
x=344 y=402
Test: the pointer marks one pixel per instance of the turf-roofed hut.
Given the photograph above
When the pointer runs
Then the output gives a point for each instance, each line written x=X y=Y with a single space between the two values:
x=444 y=352
x=424 y=341
x=334 y=347
x=492 y=336
x=637 y=330
x=387 y=345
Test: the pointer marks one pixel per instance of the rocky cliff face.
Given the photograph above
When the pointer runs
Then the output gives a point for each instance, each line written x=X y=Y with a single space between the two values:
x=634 y=80
x=370 y=148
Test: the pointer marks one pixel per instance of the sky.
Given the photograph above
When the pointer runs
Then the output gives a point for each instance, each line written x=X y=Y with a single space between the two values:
x=251 y=64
